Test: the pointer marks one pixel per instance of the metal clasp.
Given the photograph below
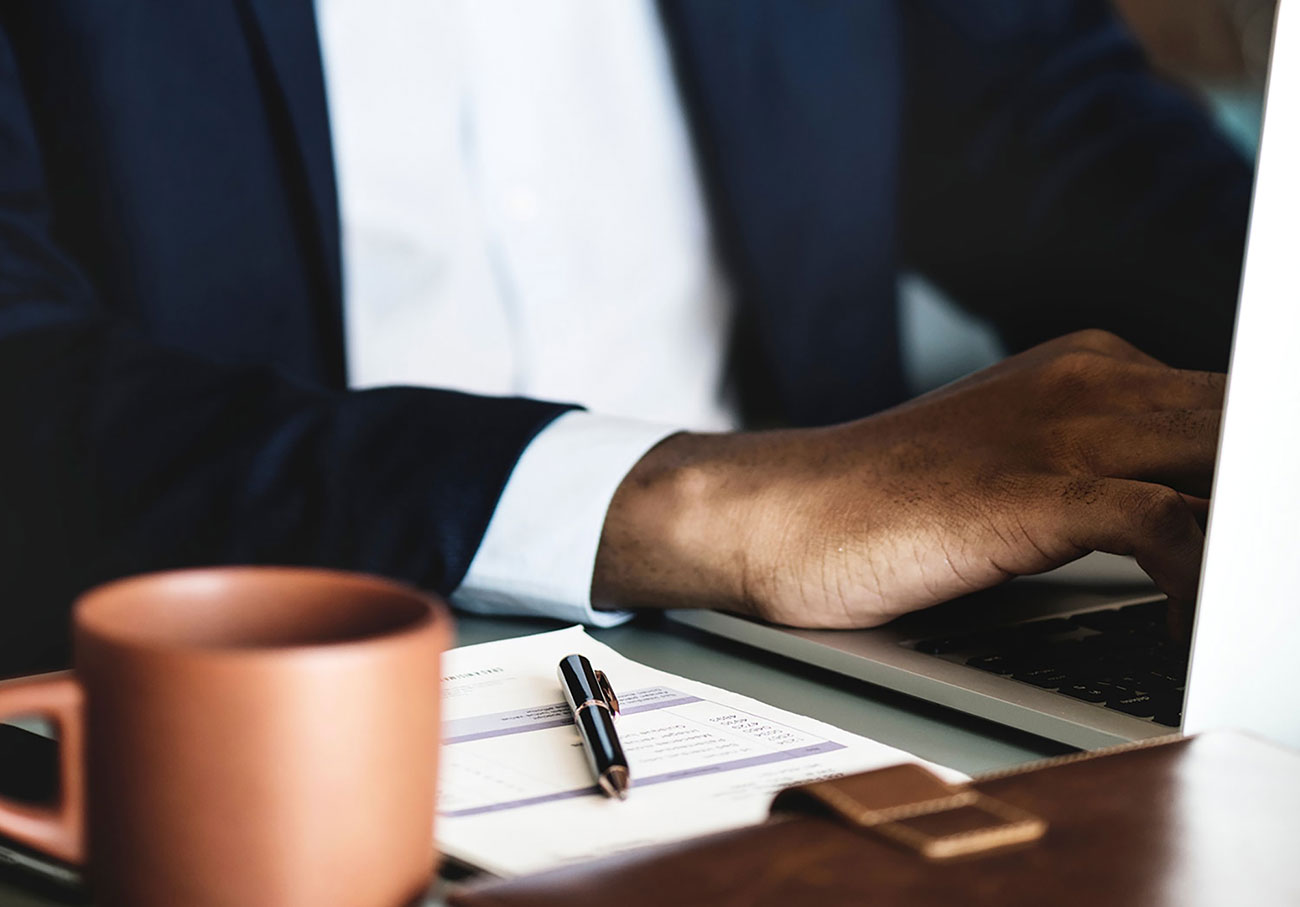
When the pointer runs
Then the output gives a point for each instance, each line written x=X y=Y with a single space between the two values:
x=607 y=691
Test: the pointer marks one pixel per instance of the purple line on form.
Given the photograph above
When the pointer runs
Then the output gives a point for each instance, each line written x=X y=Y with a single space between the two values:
x=521 y=721
x=506 y=731
x=661 y=704
x=826 y=746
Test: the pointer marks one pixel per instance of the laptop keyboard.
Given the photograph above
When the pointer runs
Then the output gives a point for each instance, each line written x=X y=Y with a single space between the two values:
x=1117 y=658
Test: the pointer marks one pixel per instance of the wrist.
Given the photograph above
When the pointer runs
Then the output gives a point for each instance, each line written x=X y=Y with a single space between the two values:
x=676 y=533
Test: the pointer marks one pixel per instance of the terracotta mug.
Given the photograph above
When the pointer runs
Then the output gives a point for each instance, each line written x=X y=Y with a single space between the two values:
x=244 y=736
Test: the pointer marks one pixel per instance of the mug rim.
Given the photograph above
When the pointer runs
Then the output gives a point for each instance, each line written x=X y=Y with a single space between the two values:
x=89 y=623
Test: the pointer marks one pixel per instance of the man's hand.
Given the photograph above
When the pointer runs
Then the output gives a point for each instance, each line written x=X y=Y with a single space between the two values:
x=1080 y=444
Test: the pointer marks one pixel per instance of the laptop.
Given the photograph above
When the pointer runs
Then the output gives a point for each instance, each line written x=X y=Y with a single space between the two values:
x=1081 y=655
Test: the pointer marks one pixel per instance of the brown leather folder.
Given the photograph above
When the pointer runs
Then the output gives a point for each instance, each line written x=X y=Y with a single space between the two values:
x=1209 y=820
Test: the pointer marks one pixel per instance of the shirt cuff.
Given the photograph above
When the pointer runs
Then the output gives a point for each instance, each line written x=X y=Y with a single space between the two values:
x=539 y=552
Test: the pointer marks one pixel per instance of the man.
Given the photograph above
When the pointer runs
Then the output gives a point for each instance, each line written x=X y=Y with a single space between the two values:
x=184 y=341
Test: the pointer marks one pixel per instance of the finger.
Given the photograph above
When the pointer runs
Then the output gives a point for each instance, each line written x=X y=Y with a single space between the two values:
x=1109 y=344
x=1090 y=381
x=1099 y=385
x=1179 y=619
x=1080 y=380
x=1134 y=387
x=1179 y=615
x=1152 y=523
x=1095 y=372
x=1084 y=359
x=1200 y=508
x=1190 y=389
x=1173 y=447
x=1102 y=345
x=1096 y=341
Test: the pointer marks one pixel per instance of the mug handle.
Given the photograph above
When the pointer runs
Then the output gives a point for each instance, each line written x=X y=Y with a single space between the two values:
x=60 y=830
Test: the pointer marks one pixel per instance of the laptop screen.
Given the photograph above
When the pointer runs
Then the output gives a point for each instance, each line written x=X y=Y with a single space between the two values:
x=1244 y=670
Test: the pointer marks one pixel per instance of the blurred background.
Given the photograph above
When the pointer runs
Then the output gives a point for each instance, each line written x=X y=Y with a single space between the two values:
x=1218 y=50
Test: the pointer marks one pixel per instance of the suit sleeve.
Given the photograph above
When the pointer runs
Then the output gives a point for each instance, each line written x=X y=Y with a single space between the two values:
x=1052 y=182
x=121 y=456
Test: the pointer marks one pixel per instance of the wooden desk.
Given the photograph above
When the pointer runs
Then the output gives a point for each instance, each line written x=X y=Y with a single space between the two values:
x=950 y=738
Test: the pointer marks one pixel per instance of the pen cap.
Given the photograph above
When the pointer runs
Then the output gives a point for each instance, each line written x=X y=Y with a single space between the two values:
x=580 y=681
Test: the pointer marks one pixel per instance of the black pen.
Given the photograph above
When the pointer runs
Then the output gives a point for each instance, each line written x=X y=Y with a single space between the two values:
x=594 y=705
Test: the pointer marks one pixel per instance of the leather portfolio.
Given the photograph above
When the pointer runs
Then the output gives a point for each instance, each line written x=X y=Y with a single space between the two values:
x=1208 y=820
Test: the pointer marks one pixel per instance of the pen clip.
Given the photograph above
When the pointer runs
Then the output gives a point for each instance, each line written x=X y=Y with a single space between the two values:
x=607 y=691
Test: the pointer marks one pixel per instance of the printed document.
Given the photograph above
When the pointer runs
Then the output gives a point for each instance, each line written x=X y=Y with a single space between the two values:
x=516 y=793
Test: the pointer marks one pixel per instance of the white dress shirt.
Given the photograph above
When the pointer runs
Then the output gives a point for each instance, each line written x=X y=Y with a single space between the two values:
x=521 y=215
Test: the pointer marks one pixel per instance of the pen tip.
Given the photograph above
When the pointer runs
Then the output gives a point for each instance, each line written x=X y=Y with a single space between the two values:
x=615 y=782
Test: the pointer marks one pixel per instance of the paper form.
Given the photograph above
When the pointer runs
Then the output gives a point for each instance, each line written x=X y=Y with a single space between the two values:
x=516 y=794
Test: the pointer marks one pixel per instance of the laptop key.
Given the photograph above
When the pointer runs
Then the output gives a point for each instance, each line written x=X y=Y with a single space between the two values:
x=1132 y=681
x=1140 y=705
x=1174 y=676
x=1160 y=685
x=1048 y=678
x=995 y=664
x=1085 y=691
x=1115 y=691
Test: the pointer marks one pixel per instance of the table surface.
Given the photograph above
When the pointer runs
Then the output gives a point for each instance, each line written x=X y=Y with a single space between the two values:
x=950 y=738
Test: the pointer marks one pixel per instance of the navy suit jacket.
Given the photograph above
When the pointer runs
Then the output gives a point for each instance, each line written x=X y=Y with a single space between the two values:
x=171 y=355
